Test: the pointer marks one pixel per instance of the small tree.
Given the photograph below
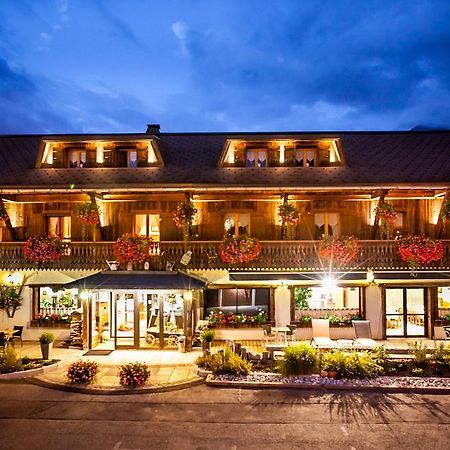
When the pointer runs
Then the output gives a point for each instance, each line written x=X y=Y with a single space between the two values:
x=10 y=298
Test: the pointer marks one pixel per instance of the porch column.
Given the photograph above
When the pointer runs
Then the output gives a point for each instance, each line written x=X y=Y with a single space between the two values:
x=282 y=306
x=374 y=311
x=187 y=319
x=86 y=304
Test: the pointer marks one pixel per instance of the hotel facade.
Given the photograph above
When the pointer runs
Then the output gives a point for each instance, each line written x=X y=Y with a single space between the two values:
x=240 y=228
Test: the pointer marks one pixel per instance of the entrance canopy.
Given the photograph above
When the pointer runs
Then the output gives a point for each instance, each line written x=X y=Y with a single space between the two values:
x=137 y=280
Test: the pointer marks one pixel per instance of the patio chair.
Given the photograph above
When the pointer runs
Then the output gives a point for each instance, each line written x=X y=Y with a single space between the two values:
x=18 y=334
x=321 y=334
x=291 y=331
x=268 y=335
x=363 y=335
x=447 y=332
x=3 y=341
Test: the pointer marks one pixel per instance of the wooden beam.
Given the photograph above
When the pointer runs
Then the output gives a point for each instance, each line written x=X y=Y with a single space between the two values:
x=441 y=223
x=376 y=221
x=7 y=221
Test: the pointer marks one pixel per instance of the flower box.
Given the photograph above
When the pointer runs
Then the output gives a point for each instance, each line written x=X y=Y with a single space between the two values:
x=48 y=324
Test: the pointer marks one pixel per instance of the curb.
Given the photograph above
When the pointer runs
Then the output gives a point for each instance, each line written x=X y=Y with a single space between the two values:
x=117 y=390
x=327 y=387
x=29 y=373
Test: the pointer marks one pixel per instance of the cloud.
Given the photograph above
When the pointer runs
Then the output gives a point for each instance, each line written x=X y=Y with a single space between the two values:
x=180 y=30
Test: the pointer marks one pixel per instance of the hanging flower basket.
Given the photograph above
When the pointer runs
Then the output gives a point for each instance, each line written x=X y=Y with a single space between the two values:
x=184 y=215
x=131 y=248
x=89 y=213
x=387 y=213
x=289 y=214
x=445 y=210
x=43 y=249
x=418 y=250
x=3 y=212
x=342 y=249
x=239 y=250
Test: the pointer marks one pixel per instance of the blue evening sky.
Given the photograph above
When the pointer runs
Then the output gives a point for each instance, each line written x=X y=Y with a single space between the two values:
x=223 y=65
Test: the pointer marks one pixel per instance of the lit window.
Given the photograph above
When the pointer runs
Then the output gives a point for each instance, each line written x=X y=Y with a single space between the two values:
x=127 y=158
x=236 y=224
x=147 y=225
x=60 y=226
x=77 y=158
x=305 y=158
x=326 y=224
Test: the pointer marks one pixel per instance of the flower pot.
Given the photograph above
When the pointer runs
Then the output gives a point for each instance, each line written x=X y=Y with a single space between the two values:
x=332 y=374
x=130 y=266
x=206 y=347
x=46 y=350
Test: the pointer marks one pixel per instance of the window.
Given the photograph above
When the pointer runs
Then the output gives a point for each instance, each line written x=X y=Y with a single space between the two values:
x=234 y=301
x=256 y=158
x=147 y=225
x=305 y=158
x=76 y=158
x=318 y=302
x=236 y=224
x=51 y=304
x=400 y=220
x=326 y=224
x=127 y=158
x=59 y=226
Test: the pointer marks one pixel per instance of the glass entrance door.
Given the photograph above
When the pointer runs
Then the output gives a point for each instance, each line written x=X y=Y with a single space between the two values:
x=405 y=312
x=125 y=321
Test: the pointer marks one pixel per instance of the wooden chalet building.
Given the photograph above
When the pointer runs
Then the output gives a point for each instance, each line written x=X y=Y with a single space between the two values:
x=374 y=186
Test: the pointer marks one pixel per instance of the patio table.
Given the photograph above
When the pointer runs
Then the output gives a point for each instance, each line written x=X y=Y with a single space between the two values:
x=281 y=331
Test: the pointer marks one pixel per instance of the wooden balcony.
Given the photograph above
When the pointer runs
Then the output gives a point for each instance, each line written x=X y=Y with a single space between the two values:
x=286 y=255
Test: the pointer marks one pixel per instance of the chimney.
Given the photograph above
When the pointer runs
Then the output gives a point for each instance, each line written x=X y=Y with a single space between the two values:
x=153 y=128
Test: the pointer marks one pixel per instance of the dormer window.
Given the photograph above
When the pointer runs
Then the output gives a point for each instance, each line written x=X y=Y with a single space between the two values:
x=281 y=153
x=96 y=153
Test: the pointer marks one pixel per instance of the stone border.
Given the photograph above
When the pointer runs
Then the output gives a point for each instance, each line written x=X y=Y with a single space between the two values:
x=114 y=390
x=29 y=373
x=210 y=381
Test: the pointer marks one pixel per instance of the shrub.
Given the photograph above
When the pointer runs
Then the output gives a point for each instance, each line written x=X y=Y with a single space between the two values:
x=82 y=372
x=207 y=336
x=299 y=359
x=352 y=364
x=417 y=372
x=134 y=374
x=440 y=357
x=419 y=352
x=224 y=362
x=26 y=360
x=10 y=362
x=46 y=338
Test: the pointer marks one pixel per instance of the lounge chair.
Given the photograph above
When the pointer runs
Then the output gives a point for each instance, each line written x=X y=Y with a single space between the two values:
x=363 y=335
x=18 y=334
x=321 y=334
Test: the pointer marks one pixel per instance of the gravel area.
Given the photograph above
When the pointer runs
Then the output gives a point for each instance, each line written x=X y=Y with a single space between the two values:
x=317 y=380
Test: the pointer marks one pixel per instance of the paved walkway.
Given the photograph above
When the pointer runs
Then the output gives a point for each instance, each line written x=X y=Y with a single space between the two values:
x=167 y=368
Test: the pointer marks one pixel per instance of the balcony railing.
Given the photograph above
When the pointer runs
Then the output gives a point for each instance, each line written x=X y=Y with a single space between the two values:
x=286 y=255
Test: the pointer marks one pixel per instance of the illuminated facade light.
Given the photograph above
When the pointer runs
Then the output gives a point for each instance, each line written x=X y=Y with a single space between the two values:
x=282 y=157
x=99 y=153
x=329 y=284
x=151 y=155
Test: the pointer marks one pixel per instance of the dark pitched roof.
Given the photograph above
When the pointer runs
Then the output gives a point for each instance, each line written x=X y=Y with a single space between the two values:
x=372 y=158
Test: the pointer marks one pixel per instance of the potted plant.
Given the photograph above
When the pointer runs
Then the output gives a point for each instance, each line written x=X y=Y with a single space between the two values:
x=43 y=249
x=417 y=250
x=239 y=249
x=130 y=248
x=46 y=340
x=10 y=298
x=342 y=249
x=290 y=217
x=388 y=216
x=207 y=338
x=89 y=215
x=184 y=217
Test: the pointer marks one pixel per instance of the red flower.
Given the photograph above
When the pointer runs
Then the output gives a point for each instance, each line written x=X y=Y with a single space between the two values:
x=43 y=249
x=341 y=249
x=132 y=248
x=416 y=250
x=89 y=213
x=239 y=250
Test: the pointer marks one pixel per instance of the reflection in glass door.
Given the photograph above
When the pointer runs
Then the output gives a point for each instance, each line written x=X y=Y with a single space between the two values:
x=405 y=312
x=125 y=320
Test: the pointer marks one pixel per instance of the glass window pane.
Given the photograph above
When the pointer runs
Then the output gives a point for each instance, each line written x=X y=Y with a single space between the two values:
x=153 y=223
x=415 y=302
x=53 y=223
x=140 y=224
x=394 y=301
x=244 y=297
x=228 y=297
x=394 y=325
x=67 y=227
x=133 y=158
